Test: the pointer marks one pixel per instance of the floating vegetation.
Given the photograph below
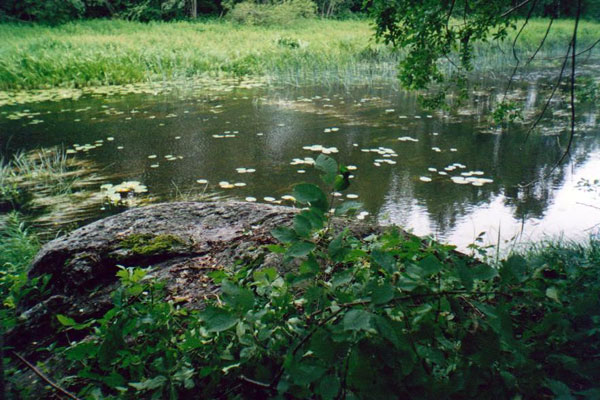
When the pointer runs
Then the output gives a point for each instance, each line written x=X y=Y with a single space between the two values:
x=202 y=181
x=242 y=170
x=288 y=197
x=407 y=139
x=352 y=196
x=362 y=215
x=269 y=199
x=425 y=179
x=226 y=185
x=250 y=199
x=321 y=149
x=436 y=149
x=125 y=194
x=58 y=191
x=304 y=161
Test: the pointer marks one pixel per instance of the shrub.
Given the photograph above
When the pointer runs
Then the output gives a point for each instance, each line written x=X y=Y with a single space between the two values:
x=251 y=13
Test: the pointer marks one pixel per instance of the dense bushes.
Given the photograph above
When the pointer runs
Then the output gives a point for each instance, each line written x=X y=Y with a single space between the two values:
x=282 y=13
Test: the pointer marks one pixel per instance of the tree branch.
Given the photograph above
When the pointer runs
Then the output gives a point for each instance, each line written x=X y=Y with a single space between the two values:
x=45 y=378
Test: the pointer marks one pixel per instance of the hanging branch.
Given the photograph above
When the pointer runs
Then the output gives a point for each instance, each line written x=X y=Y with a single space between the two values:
x=573 y=61
x=572 y=50
x=556 y=85
x=541 y=42
x=515 y=8
x=514 y=49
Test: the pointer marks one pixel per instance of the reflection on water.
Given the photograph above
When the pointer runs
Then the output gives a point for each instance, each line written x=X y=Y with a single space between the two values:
x=446 y=173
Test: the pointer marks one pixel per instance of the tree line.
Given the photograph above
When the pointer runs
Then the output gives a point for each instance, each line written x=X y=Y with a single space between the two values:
x=60 y=11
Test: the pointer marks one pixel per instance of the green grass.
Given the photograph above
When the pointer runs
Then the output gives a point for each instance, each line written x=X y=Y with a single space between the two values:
x=103 y=52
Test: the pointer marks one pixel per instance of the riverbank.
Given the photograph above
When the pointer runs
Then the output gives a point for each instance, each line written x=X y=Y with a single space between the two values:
x=116 y=52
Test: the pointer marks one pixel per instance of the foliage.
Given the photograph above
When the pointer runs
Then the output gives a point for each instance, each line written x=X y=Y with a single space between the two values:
x=18 y=248
x=280 y=13
x=440 y=38
x=382 y=316
x=92 y=53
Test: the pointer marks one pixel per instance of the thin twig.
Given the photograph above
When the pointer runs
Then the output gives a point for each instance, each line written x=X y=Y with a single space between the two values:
x=256 y=383
x=589 y=205
x=541 y=42
x=573 y=63
x=590 y=48
x=515 y=8
x=45 y=378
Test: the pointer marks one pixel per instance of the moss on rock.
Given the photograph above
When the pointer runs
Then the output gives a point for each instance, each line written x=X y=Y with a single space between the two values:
x=148 y=244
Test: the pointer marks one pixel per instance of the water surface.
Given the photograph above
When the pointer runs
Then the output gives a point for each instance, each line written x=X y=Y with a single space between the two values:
x=451 y=174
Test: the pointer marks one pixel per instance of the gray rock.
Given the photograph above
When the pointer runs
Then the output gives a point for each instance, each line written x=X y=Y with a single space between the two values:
x=198 y=238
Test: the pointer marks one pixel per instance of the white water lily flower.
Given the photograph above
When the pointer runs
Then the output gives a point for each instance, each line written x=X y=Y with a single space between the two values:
x=425 y=179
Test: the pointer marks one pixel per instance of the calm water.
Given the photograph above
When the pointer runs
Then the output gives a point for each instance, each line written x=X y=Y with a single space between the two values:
x=208 y=135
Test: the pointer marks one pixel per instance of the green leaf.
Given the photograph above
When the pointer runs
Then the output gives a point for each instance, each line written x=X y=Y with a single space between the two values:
x=356 y=320
x=430 y=265
x=346 y=207
x=82 y=351
x=302 y=225
x=113 y=342
x=149 y=384
x=266 y=274
x=336 y=248
x=274 y=248
x=560 y=389
x=329 y=387
x=382 y=294
x=341 y=182
x=217 y=319
x=303 y=373
x=300 y=249
x=316 y=217
x=328 y=166
x=237 y=297
x=307 y=193
x=552 y=293
x=310 y=266
x=515 y=268
x=385 y=260
x=284 y=234
x=65 y=321
x=464 y=273
x=484 y=272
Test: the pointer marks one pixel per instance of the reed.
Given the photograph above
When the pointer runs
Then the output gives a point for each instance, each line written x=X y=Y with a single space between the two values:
x=109 y=52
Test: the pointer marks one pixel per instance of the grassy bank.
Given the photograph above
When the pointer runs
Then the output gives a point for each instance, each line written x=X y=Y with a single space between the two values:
x=103 y=52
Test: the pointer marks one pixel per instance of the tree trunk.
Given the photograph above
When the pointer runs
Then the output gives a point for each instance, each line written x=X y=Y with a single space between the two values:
x=194 y=9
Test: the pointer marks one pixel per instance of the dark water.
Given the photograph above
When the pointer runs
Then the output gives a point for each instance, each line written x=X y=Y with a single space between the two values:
x=266 y=129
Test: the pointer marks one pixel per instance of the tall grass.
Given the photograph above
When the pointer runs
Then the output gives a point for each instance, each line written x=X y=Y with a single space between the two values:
x=106 y=52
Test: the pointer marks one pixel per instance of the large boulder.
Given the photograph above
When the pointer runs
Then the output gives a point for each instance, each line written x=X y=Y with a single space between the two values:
x=179 y=243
